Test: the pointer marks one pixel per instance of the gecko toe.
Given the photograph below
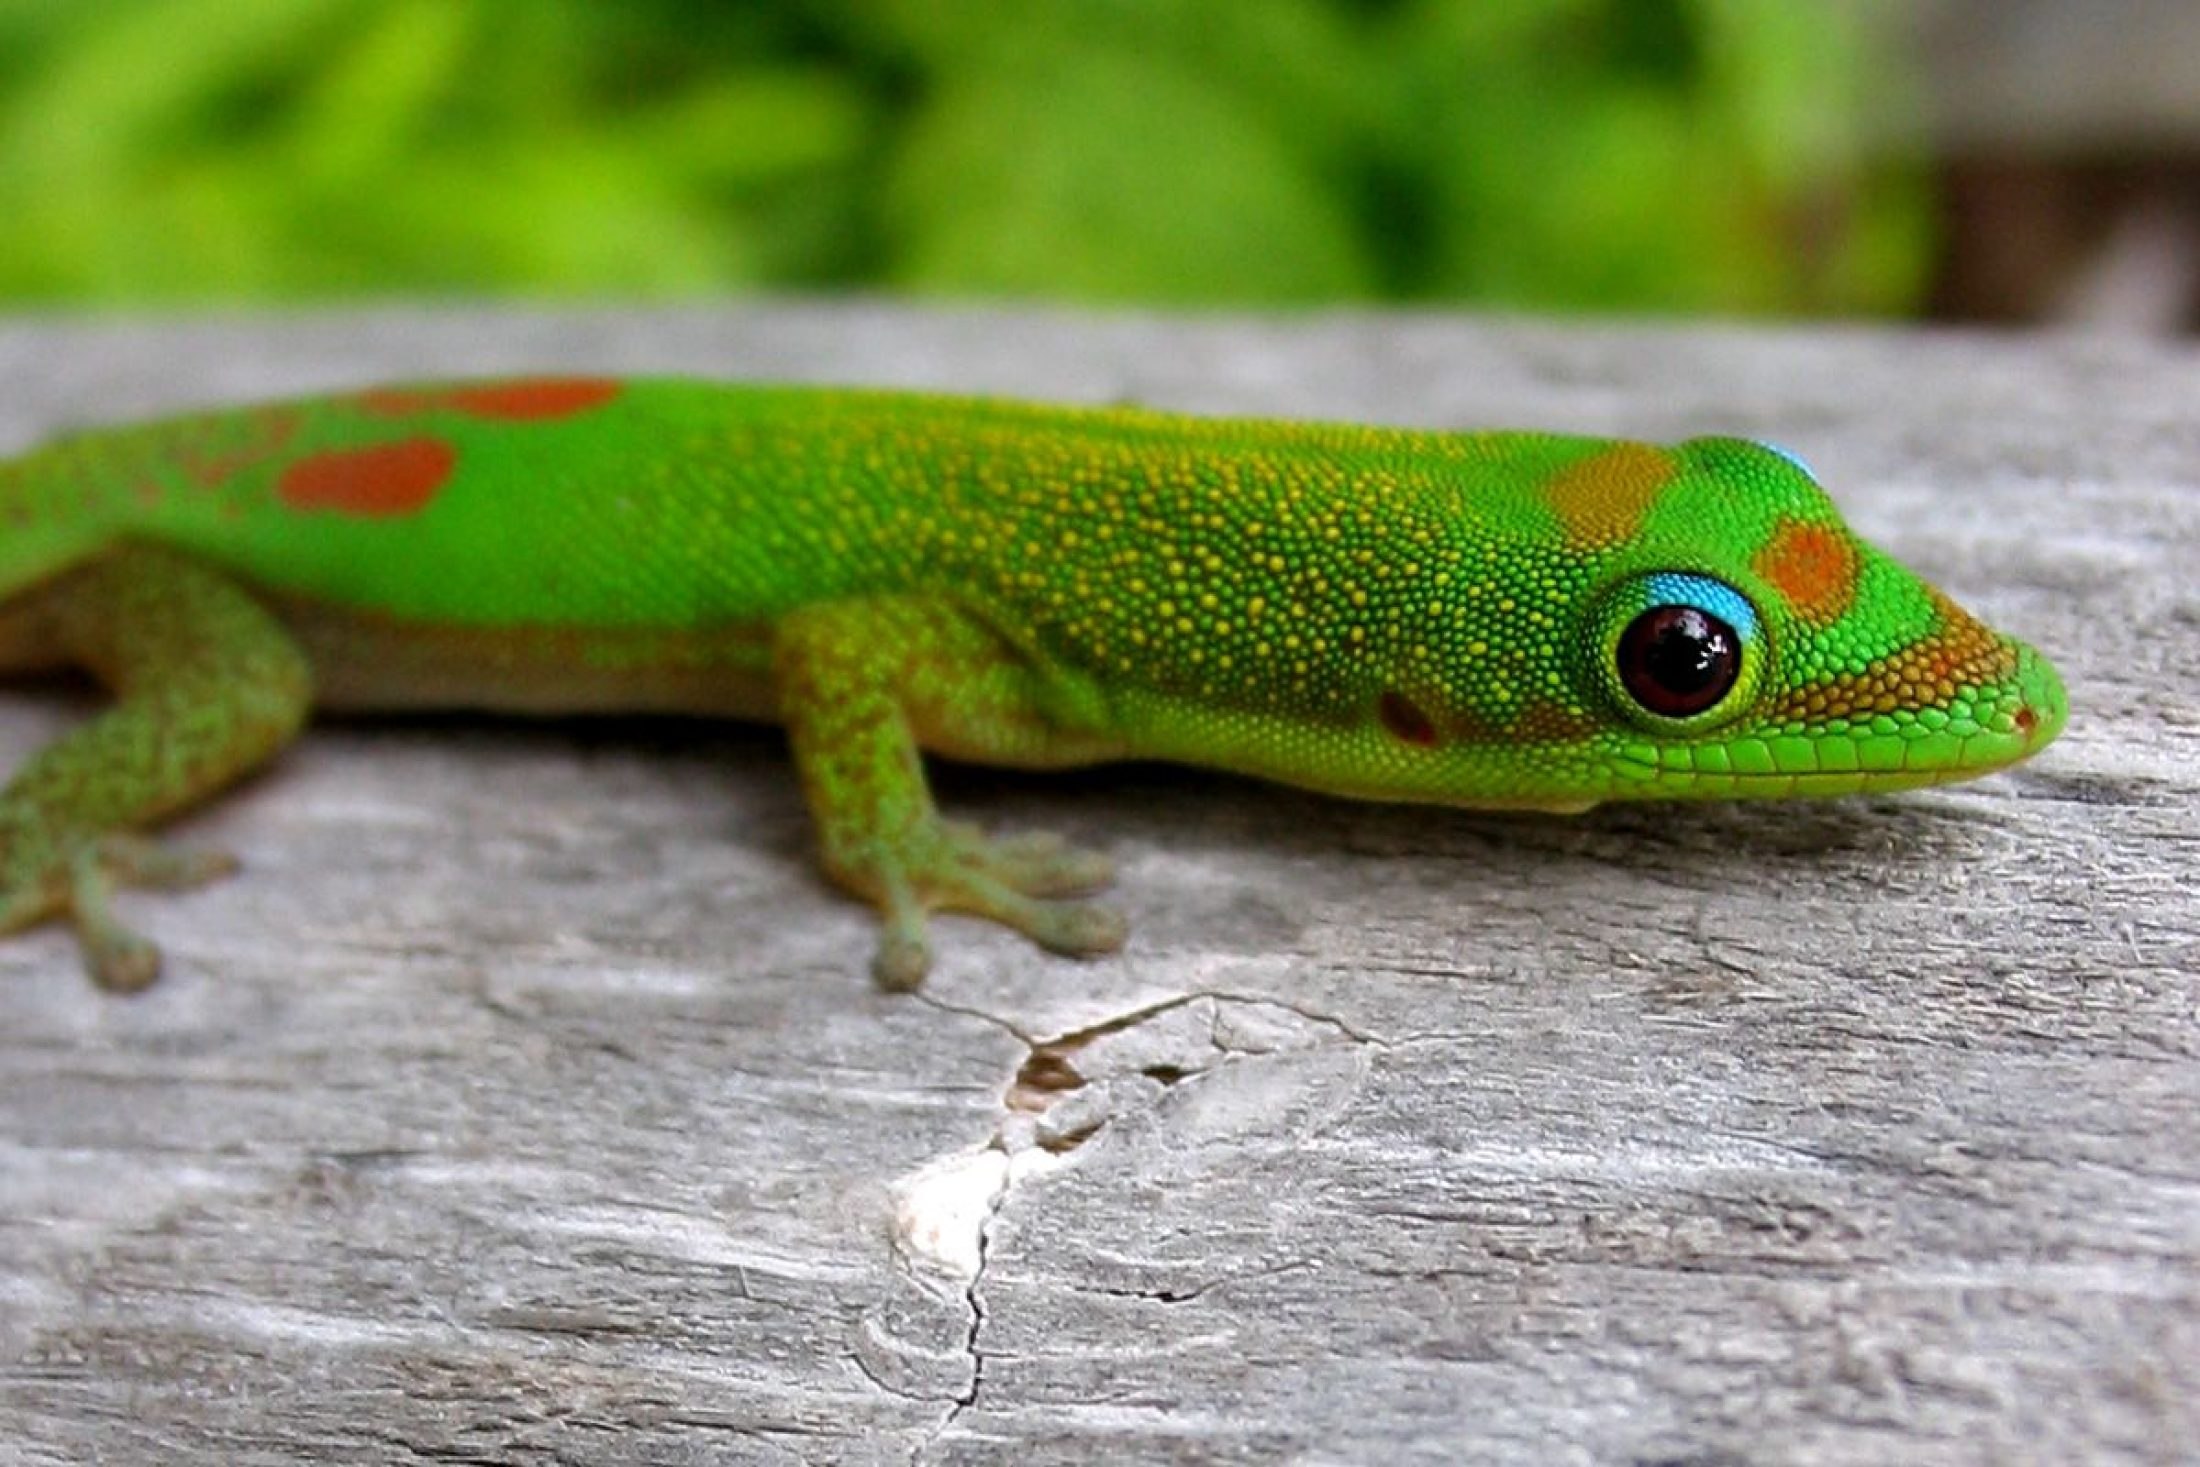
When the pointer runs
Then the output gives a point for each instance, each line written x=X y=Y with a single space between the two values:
x=1042 y=864
x=904 y=950
x=1022 y=882
x=134 y=860
x=119 y=960
x=1075 y=929
x=902 y=960
x=1079 y=929
x=74 y=880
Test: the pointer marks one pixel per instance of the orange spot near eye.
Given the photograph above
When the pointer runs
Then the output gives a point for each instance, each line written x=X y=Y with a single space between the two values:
x=1815 y=568
x=1602 y=499
x=528 y=400
x=385 y=480
x=1959 y=652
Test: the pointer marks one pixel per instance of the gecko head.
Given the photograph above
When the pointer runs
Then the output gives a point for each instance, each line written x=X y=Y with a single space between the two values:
x=1749 y=643
x=1712 y=629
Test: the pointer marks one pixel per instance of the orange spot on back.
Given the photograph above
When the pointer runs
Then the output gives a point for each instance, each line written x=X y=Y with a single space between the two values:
x=385 y=480
x=514 y=402
x=1602 y=499
x=1815 y=568
x=524 y=400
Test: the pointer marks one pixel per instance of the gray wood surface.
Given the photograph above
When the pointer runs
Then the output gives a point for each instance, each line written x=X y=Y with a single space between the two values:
x=525 y=1100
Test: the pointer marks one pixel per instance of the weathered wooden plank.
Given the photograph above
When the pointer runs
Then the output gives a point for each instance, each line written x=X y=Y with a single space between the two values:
x=525 y=1100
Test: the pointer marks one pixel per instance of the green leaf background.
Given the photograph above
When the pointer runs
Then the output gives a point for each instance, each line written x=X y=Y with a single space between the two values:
x=1667 y=155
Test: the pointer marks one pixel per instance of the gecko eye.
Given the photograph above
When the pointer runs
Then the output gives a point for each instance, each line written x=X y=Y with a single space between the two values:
x=1677 y=661
x=1676 y=653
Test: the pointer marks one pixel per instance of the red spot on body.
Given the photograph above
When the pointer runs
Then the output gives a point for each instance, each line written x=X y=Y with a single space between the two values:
x=524 y=400
x=385 y=480
x=532 y=401
x=1815 y=568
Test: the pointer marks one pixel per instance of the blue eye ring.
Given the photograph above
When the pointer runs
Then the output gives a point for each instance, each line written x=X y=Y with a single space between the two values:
x=1800 y=464
x=1677 y=652
x=1714 y=598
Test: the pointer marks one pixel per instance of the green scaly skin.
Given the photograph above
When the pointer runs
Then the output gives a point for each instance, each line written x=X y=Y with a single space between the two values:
x=1379 y=613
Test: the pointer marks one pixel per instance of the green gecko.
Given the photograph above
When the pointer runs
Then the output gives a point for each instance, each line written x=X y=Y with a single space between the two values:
x=1493 y=620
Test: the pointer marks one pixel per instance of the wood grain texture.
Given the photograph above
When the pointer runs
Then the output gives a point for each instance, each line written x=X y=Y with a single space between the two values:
x=525 y=1100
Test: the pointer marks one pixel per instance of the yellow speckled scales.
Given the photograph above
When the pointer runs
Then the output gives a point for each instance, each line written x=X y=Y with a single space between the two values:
x=1516 y=620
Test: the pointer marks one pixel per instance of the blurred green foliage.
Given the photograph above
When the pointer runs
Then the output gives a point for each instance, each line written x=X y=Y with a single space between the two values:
x=1678 y=155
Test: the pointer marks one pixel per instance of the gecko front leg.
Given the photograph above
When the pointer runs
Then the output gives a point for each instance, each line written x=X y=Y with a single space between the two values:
x=863 y=684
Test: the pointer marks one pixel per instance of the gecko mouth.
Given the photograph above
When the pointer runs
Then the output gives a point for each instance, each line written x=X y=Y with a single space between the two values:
x=1979 y=730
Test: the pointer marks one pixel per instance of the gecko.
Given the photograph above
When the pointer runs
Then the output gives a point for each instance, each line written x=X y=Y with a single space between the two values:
x=1494 y=620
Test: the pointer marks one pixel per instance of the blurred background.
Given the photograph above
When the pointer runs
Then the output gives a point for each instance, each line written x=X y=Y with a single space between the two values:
x=1997 y=160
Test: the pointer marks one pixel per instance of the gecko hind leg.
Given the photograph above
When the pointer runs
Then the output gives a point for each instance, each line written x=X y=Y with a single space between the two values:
x=207 y=686
x=861 y=684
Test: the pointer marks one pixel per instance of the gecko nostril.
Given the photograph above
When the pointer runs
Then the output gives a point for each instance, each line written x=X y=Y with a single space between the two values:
x=2027 y=720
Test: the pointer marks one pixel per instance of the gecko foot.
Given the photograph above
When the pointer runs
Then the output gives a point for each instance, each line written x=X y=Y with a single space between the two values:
x=1038 y=864
x=78 y=883
x=1019 y=882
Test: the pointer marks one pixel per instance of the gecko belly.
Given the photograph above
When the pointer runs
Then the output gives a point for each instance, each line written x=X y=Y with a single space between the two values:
x=365 y=662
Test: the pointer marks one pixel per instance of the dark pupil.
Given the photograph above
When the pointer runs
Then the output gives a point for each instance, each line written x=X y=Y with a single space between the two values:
x=1676 y=660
